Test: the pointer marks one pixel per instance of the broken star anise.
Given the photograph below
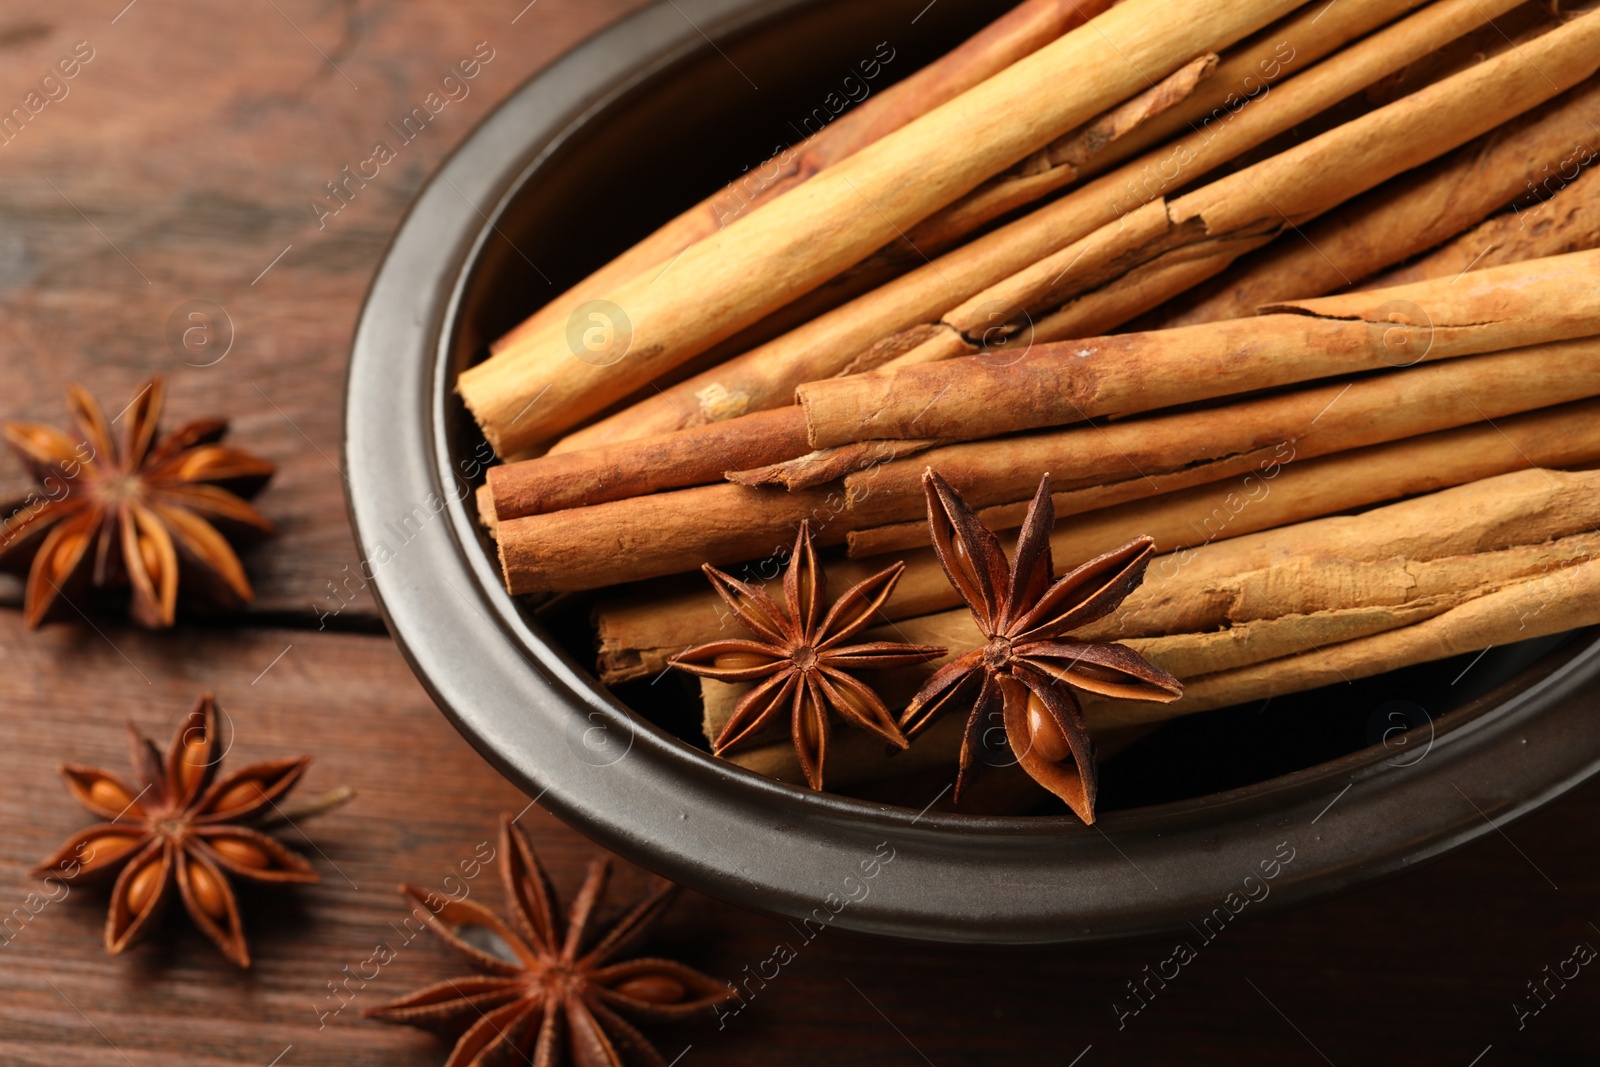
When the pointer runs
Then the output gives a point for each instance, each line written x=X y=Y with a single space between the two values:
x=1025 y=668
x=135 y=513
x=545 y=990
x=184 y=827
x=800 y=658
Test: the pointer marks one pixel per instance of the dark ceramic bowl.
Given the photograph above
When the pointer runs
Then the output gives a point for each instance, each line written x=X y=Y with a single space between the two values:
x=588 y=156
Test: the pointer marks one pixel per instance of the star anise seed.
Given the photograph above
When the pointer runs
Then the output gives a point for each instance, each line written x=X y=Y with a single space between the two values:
x=183 y=827
x=1027 y=668
x=800 y=658
x=134 y=514
x=546 y=990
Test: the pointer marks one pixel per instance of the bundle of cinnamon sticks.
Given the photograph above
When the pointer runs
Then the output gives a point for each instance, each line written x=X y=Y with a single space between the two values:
x=1308 y=294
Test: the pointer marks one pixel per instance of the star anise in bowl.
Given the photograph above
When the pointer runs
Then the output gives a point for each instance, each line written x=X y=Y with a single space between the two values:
x=799 y=657
x=1023 y=676
x=136 y=512
x=551 y=990
x=186 y=831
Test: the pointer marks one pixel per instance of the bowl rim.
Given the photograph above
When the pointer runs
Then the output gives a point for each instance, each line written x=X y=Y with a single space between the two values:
x=818 y=858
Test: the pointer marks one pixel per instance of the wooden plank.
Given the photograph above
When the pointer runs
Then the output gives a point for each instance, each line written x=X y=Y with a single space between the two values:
x=186 y=155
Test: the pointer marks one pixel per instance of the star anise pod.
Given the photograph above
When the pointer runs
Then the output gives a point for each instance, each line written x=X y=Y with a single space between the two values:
x=545 y=990
x=183 y=827
x=1027 y=668
x=136 y=513
x=800 y=658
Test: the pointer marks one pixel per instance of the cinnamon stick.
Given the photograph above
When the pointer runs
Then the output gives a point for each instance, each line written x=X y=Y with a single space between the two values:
x=794 y=243
x=1565 y=220
x=1056 y=384
x=637 y=637
x=1408 y=215
x=1053 y=167
x=1282 y=490
x=1563 y=600
x=1021 y=31
x=1198 y=235
x=668 y=533
x=694 y=456
x=900 y=315
x=1131 y=459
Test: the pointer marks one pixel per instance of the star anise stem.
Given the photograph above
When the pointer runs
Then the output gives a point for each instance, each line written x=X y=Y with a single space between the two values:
x=1022 y=679
x=799 y=659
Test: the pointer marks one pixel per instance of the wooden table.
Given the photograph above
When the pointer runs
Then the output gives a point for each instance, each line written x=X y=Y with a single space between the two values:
x=179 y=172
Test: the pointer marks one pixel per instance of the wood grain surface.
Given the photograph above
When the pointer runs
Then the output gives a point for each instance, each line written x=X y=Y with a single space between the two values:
x=182 y=165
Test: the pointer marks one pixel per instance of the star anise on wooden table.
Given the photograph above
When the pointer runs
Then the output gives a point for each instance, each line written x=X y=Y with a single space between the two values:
x=1027 y=668
x=547 y=992
x=135 y=513
x=185 y=827
x=800 y=658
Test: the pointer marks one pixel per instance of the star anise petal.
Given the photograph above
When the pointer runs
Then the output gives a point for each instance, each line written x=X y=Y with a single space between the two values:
x=149 y=767
x=209 y=899
x=138 y=516
x=591 y=1045
x=859 y=606
x=101 y=792
x=252 y=855
x=193 y=755
x=191 y=435
x=94 y=854
x=44 y=450
x=60 y=557
x=497 y=1037
x=248 y=792
x=968 y=551
x=800 y=660
x=810 y=729
x=209 y=503
x=203 y=545
x=657 y=990
x=581 y=911
x=1047 y=734
x=451 y=920
x=948 y=685
x=805 y=589
x=755 y=610
x=557 y=1001
x=530 y=899
x=747 y=661
x=152 y=563
x=1099 y=667
x=219 y=467
x=878 y=655
x=1027 y=663
x=140 y=893
x=1088 y=593
x=1032 y=567
x=453 y=1004
x=985 y=714
x=142 y=417
x=628 y=932
x=859 y=705
x=755 y=711
x=91 y=423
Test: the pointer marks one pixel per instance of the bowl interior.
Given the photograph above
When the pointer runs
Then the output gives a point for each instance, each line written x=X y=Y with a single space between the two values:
x=683 y=131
